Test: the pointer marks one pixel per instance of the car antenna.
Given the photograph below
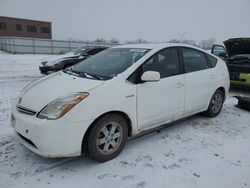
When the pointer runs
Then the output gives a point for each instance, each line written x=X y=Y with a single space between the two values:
x=181 y=37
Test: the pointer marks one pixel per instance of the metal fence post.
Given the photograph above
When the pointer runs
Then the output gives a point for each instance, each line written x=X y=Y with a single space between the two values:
x=9 y=46
x=1 y=47
x=14 y=45
x=33 y=45
x=52 y=51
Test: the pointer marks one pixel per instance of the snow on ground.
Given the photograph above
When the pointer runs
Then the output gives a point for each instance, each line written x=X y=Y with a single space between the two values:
x=198 y=152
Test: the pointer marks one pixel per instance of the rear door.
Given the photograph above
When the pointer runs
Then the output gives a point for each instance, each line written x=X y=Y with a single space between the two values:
x=200 y=80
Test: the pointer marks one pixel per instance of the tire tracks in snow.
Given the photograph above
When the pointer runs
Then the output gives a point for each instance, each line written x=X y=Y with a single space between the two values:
x=7 y=79
x=55 y=165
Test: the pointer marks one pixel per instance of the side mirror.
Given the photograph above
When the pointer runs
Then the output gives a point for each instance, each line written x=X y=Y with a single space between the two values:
x=151 y=76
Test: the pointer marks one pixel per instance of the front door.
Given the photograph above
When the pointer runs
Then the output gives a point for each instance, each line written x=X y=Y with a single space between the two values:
x=162 y=101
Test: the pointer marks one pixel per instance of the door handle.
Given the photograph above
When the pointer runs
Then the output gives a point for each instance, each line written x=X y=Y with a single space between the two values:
x=179 y=85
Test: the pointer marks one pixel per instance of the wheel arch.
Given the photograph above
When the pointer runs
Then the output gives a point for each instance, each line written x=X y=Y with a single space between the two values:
x=123 y=114
x=223 y=91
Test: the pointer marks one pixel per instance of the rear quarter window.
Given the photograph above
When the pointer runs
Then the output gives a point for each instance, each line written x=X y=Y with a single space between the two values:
x=212 y=60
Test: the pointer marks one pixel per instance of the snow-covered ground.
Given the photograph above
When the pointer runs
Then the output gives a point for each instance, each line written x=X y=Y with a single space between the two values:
x=199 y=152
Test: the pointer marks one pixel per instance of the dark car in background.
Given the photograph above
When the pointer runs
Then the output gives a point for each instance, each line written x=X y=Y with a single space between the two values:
x=236 y=53
x=69 y=59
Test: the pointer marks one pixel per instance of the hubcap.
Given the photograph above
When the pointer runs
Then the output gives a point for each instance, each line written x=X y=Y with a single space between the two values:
x=109 y=138
x=216 y=103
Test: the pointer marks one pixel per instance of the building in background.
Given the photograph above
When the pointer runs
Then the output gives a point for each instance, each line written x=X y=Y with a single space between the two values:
x=25 y=28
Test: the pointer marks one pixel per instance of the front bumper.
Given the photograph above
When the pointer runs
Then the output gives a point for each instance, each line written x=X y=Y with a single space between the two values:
x=242 y=80
x=49 y=138
x=239 y=74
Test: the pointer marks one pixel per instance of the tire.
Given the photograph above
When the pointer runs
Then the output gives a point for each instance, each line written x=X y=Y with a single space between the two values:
x=215 y=104
x=107 y=138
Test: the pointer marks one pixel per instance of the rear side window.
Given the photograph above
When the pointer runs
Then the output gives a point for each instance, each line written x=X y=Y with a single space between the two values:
x=194 y=60
x=212 y=60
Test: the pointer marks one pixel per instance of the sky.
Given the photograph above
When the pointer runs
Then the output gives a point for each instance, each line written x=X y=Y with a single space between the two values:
x=126 y=20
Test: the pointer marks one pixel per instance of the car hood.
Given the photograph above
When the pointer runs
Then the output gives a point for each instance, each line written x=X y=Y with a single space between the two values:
x=45 y=90
x=61 y=57
x=237 y=46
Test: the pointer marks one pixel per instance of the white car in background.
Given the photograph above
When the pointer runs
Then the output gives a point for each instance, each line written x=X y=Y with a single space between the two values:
x=99 y=103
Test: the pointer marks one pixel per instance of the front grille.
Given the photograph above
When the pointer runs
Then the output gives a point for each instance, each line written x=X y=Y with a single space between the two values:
x=26 y=110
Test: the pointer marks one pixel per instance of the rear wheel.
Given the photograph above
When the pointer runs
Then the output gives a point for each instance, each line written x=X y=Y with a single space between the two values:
x=216 y=104
x=107 y=138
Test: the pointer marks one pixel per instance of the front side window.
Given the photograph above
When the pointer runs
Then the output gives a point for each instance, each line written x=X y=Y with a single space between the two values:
x=110 y=62
x=165 y=62
x=93 y=51
x=78 y=51
x=194 y=60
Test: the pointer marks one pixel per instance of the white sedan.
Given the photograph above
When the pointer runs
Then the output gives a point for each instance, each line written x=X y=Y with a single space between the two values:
x=121 y=92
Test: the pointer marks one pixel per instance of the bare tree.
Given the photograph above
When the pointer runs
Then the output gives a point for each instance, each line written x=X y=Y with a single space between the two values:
x=204 y=44
x=189 y=42
x=100 y=40
x=207 y=44
x=186 y=41
x=114 y=41
x=174 y=41
x=137 y=41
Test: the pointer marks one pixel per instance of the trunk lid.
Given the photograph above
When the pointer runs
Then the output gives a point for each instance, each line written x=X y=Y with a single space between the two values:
x=237 y=46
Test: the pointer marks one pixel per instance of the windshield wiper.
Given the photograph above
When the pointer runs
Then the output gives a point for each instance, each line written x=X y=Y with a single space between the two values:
x=85 y=74
x=73 y=72
x=98 y=77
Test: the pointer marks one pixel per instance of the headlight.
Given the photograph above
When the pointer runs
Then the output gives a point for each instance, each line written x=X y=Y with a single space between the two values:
x=61 y=106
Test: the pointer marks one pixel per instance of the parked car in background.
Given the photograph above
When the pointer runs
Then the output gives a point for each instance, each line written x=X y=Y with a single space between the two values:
x=236 y=53
x=69 y=59
x=115 y=95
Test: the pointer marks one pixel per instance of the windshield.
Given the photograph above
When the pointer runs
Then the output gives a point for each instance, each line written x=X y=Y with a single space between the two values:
x=109 y=63
x=77 y=51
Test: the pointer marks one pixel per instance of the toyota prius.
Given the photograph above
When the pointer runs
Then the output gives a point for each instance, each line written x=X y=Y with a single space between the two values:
x=100 y=103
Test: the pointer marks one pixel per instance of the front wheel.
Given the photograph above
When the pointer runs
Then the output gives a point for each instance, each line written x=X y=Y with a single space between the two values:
x=107 y=137
x=215 y=104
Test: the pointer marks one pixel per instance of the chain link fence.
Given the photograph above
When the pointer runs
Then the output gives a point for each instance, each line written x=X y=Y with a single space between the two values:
x=43 y=46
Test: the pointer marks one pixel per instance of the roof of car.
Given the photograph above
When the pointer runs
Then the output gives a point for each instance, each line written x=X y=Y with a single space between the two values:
x=153 y=45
